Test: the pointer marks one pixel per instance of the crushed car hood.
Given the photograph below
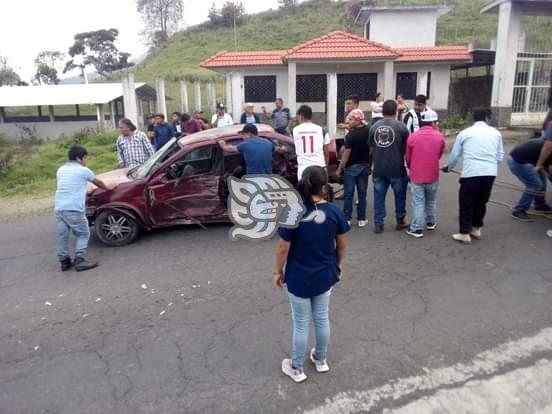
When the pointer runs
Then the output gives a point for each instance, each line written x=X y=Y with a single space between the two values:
x=116 y=176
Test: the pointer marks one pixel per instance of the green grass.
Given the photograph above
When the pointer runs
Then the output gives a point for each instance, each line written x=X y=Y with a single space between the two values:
x=33 y=169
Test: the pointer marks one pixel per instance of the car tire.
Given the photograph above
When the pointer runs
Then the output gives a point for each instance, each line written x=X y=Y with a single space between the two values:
x=116 y=229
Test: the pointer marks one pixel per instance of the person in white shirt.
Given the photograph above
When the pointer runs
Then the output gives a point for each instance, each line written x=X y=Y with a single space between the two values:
x=377 y=107
x=311 y=142
x=221 y=119
x=481 y=148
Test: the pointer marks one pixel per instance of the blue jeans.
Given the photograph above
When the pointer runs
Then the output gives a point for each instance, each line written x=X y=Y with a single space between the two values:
x=356 y=176
x=424 y=202
x=533 y=182
x=301 y=311
x=72 y=222
x=381 y=185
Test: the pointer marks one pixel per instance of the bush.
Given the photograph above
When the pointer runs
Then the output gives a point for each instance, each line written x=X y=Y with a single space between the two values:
x=454 y=122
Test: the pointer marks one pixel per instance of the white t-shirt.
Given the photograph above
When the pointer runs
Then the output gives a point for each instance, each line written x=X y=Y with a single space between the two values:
x=224 y=121
x=309 y=140
x=377 y=115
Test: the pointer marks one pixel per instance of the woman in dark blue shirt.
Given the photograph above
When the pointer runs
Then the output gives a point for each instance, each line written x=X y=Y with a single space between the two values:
x=313 y=254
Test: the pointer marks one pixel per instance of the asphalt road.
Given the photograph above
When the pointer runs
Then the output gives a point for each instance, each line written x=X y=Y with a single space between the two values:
x=185 y=321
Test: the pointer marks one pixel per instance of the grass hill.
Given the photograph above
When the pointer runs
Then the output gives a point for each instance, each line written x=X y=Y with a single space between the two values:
x=180 y=57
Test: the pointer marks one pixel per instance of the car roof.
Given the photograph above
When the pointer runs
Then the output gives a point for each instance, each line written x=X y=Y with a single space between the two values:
x=218 y=133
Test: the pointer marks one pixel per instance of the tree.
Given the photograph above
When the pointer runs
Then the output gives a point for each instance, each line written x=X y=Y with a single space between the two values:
x=232 y=13
x=161 y=18
x=97 y=49
x=7 y=75
x=287 y=4
x=48 y=63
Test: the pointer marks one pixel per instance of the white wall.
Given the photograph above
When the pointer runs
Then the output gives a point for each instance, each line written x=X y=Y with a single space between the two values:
x=403 y=29
x=45 y=130
x=440 y=81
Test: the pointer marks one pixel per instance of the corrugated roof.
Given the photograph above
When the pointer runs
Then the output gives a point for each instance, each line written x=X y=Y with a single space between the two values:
x=90 y=94
x=233 y=59
x=340 y=45
x=434 y=54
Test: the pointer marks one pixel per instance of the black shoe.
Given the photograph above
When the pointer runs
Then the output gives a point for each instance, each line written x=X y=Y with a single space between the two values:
x=378 y=229
x=401 y=225
x=81 y=264
x=66 y=264
x=545 y=208
x=415 y=233
x=521 y=215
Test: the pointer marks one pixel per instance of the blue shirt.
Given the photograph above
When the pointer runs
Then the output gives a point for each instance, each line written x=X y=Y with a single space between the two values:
x=258 y=155
x=311 y=267
x=72 y=179
x=162 y=134
x=481 y=148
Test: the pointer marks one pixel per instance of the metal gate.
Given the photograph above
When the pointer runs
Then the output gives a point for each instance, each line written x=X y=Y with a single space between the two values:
x=532 y=83
x=364 y=85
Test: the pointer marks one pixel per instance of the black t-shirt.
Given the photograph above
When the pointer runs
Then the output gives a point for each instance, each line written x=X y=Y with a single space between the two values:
x=528 y=152
x=388 y=143
x=357 y=141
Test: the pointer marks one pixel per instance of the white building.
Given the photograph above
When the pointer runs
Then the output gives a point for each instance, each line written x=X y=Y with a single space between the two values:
x=323 y=71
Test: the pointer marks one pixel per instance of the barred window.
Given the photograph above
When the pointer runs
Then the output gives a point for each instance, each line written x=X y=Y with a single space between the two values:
x=407 y=83
x=311 y=88
x=260 y=88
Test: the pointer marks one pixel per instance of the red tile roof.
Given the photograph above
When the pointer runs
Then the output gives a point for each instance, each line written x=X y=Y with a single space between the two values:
x=233 y=59
x=340 y=45
x=434 y=54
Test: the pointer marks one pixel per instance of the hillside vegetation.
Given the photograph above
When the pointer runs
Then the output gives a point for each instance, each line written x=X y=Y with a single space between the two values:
x=180 y=57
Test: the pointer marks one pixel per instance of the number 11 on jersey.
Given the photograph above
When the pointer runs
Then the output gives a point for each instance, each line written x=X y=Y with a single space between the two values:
x=304 y=139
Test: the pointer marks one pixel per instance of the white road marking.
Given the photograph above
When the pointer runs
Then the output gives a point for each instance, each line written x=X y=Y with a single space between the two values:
x=487 y=363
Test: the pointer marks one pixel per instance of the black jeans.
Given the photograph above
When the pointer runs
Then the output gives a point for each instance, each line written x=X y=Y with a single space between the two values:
x=474 y=196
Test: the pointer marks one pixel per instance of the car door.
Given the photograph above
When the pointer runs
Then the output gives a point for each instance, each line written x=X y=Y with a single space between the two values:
x=188 y=191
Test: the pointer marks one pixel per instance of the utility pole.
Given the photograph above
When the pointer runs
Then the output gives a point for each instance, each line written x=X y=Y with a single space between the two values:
x=235 y=29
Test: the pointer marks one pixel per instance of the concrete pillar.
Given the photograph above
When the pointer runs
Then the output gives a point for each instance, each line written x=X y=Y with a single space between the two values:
x=389 y=80
x=422 y=83
x=197 y=94
x=331 y=104
x=228 y=94
x=211 y=96
x=509 y=16
x=100 y=116
x=161 y=101
x=129 y=97
x=184 y=106
x=140 y=113
x=51 y=113
x=113 y=114
x=292 y=88
x=238 y=96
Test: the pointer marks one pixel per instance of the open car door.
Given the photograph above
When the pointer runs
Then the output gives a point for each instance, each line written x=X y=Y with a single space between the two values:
x=188 y=191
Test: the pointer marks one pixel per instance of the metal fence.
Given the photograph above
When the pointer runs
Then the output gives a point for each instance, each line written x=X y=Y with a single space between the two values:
x=532 y=83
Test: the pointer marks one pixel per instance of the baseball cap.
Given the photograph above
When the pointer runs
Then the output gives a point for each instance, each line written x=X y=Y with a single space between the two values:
x=198 y=111
x=429 y=115
x=220 y=105
x=252 y=129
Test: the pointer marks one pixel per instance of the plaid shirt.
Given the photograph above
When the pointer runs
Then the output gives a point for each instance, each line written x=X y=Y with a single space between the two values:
x=134 y=150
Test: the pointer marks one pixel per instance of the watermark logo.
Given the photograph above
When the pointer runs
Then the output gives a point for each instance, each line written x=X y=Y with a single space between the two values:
x=259 y=204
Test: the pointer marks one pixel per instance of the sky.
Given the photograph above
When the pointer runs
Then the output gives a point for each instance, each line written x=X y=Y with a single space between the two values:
x=37 y=25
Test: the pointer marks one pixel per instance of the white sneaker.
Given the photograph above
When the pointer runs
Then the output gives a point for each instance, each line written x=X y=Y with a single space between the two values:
x=296 y=374
x=320 y=365
x=549 y=233
x=362 y=223
x=462 y=238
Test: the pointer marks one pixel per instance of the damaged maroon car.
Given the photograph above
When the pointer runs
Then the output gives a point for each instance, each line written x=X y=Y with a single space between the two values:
x=185 y=182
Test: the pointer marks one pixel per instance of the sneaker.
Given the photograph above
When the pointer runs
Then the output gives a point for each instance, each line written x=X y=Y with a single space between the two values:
x=81 y=264
x=349 y=223
x=401 y=225
x=296 y=374
x=66 y=264
x=545 y=208
x=431 y=226
x=476 y=233
x=378 y=228
x=549 y=233
x=362 y=223
x=321 y=365
x=415 y=233
x=462 y=238
x=522 y=216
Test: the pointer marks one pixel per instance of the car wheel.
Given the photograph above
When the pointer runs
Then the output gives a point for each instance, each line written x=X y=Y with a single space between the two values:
x=116 y=229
